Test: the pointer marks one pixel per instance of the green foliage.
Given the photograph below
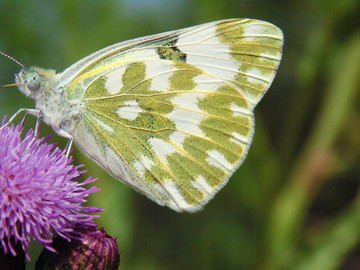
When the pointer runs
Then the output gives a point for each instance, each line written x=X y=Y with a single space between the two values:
x=294 y=203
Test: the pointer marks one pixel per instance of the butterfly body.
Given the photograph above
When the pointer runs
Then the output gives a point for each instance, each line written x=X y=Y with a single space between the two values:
x=170 y=114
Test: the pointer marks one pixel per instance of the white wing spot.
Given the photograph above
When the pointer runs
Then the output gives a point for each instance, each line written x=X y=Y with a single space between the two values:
x=105 y=126
x=140 y=54
x=179 y=199
x=161 y=148
x=178 y=138
x=113 y=83
x=130 y=110
x=147 y=162
x=239 y=139
x=205 y=51
x=187 y=121
x=239 y=111
x=159 y=72
x=217 y=159
x=257 y=30
x=201 y=184
x=143 y=164
x=189 y=101
x=118 y=168
x=254 y=75
x=139 y=167
x=207 y=83
x=253 y=31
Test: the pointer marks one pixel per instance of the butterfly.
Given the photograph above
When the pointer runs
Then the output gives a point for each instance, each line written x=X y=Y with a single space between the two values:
x=171 y=114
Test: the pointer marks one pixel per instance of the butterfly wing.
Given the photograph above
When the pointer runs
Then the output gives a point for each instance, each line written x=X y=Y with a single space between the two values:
x=171 y=114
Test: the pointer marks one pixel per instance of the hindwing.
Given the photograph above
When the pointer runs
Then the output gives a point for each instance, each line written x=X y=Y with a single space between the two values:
x=172 y=114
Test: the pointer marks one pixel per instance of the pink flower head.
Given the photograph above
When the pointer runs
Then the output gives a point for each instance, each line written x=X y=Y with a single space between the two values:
x=39 y=195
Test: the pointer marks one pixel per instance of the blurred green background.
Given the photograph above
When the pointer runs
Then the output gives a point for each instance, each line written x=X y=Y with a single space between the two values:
x=295 y=202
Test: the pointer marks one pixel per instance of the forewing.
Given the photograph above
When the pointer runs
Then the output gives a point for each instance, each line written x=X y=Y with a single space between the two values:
x=173 y=118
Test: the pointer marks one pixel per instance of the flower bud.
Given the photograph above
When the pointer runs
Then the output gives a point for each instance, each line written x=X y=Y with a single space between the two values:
x=93 y=249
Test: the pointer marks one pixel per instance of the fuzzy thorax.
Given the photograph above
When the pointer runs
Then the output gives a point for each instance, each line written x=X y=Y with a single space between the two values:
x=50 y=97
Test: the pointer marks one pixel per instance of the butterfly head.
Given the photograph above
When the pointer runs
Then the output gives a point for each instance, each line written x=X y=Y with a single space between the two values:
x=34 y=80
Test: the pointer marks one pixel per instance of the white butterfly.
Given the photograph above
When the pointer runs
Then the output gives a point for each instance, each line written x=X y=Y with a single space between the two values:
x=169 y=114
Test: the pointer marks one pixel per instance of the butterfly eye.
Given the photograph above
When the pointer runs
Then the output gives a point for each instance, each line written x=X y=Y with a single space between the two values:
x=33 y=81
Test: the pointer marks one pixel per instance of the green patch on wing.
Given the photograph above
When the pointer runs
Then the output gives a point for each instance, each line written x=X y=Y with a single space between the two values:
x=256 y=45
x=134 y=79
x=131 y=137
x=169 y=51
x=180 y=130
x=183 y=79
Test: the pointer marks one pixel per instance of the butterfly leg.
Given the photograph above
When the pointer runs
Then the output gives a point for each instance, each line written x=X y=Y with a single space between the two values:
x=38 y=126
x=64 y=134
x=37 y=129
x=34 y=112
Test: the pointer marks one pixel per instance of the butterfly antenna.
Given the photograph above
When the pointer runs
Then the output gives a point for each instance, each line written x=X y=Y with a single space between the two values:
x=13 y=59
x=17 y=62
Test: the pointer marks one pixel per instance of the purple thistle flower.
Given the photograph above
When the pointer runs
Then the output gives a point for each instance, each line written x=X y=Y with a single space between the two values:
x=39 y=196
